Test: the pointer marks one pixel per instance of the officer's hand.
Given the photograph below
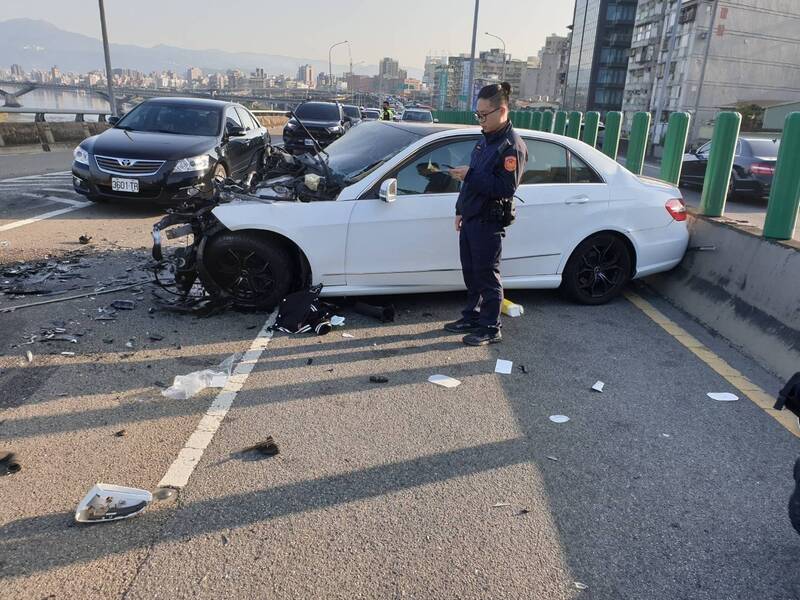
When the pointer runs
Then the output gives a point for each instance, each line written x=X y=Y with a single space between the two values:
x=459 y=172
x=458 y=222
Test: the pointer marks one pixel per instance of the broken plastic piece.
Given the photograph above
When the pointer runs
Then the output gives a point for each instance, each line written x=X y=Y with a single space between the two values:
x=559 y=418
x=598 y=387
x=444 y=381
x=9 y=463
x=511 y=309
x=123 y=304
x=155 y=337
x=29 y=355
x=347 y=335
x=67 y=354
x=378 y=379
x=581 y=586
x=503 y=366
x=384 y=314
x=186 y=386
x=121 y=433
x=500 y=504
x=164 y=493
x=723 y=396
x=553 y=458
x=106 y=502
x=84 y=239
x=523 y=368
x=337 y=321
x=266 y=448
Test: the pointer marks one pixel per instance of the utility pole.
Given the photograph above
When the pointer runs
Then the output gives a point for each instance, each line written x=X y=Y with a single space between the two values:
x=472 y=57
x=111 y=98
x=656 y=137
x=694 y=125
x=330 y=64
x=503 y=76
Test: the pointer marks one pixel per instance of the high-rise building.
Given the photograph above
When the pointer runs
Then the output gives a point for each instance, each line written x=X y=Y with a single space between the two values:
x=598 y=59
x=388 y=68
x=193 y=74
x=306 y=74
x=16 y=71
x=55 y=75
x=542 y=75
x=723 y=54
x=431 y=62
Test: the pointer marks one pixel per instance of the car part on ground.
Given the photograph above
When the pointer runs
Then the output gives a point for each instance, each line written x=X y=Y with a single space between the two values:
x=106 y=502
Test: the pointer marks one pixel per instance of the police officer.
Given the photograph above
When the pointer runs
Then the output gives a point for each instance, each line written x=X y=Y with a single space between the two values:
x=483 y=210
x=387 y=114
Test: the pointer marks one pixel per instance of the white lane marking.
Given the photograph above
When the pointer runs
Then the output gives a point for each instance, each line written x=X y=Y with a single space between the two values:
x=178 y=474
x=42 y=217
x=26 y=177
x=79 y=203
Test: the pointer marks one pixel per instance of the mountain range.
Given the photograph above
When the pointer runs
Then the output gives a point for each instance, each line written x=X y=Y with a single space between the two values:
x=36 y=44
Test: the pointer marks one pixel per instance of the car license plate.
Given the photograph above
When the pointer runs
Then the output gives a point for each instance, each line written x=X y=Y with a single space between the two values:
x=124 y=185
x=308 y=142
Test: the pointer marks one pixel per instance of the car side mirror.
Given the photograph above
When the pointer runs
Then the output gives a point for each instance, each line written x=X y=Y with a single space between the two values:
x=388 y=192
x=113 y=120
x=235 y=131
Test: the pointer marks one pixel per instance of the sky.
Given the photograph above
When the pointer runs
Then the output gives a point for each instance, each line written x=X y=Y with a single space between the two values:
x=407 y=30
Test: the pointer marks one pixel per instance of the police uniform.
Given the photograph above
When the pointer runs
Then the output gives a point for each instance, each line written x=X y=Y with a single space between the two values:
x=495 y=170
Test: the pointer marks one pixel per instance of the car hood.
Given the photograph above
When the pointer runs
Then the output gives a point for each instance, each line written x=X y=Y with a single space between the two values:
x=145 y=144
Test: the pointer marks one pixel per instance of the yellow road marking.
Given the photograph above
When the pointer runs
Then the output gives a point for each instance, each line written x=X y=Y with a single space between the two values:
x=746 y=387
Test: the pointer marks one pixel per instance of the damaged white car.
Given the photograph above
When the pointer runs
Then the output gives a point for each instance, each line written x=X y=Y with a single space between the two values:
x=373 y=214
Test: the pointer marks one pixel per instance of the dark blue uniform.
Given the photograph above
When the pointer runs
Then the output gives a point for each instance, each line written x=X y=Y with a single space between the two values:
x=495 y=170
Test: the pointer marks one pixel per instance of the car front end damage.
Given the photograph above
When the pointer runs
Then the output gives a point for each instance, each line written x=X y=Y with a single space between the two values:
x=198 y=259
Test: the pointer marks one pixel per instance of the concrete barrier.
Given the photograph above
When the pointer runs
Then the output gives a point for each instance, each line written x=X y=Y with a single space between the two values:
x=67 y=132
x=747 y=289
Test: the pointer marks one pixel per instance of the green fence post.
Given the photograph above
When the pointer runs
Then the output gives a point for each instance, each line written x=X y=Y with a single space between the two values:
x=547 y=121
x=637 y=142
x=720 y=163
x=526 y=119
x=536 y=120
x=784 y=197
x=674 y=147
x=560 y=125
x=574 y=127
x=611 y=134
x=591 y=127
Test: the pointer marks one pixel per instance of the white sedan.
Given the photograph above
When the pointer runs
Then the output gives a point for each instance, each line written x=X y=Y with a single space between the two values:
x=374 y=214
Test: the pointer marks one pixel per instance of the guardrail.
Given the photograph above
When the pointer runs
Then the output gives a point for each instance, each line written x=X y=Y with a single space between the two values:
x=39 y=113
x=784 y=196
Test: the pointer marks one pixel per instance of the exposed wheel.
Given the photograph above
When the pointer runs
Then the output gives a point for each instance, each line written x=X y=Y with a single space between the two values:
x=598 y=269
x=246 y=268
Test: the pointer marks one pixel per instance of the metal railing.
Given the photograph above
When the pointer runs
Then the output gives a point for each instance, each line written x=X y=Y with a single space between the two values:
x=40 y=113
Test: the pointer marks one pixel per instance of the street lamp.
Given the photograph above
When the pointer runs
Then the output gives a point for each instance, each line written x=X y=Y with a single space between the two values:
x=111 y=99
x=503 y=76
x=330 y=65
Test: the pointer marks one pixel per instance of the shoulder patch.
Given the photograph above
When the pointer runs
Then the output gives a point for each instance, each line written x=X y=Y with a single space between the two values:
x=510 y=163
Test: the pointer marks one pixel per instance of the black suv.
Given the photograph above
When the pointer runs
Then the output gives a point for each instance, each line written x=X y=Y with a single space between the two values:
x=326 y=121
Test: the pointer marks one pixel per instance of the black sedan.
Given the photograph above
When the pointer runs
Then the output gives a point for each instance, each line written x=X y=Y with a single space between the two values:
x=325 y=121
x=167 y=149
x=753 y=166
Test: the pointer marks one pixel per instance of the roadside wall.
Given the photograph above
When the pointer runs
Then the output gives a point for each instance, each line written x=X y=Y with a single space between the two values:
x=22 y=134
x=747 y=290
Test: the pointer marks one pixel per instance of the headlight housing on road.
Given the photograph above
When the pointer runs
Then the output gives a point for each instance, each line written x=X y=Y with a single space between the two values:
x=80 y=155
x=197 y=163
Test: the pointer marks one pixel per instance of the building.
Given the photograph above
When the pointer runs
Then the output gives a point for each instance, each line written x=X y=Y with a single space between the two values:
x=388 y=68
x=193 y=74
x=17 y=72
x=258 y=80
x=598 y=58
x=775 y=116
x=545 y=82
x=723 y=54
x=55 y=75
x=305 y=74
x=431 y=62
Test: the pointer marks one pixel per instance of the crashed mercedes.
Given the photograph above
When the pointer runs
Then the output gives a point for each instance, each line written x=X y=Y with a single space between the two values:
x=373 y=214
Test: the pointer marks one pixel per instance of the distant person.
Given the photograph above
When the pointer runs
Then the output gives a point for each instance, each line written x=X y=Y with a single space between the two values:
x=387 y=114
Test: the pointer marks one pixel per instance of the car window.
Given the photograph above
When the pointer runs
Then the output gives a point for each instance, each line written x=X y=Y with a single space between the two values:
x=256 y=122
x=232 y=118
x=244 y=118
x=766 y=148
x=428 y=172
x=547 y=163
x=318 y=111
x=705 y=148
x=172 y=118
x=352 y=111
x=580 y=172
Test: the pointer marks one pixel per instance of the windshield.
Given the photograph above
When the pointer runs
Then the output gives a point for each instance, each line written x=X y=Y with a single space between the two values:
x=172 y=118
x=372 y=113
x=352 y=111
x=764 y=148
x=354 y=155
x=417 y=115
x=318 y=111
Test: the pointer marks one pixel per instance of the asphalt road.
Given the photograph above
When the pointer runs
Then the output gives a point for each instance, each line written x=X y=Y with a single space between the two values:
x=651 y=490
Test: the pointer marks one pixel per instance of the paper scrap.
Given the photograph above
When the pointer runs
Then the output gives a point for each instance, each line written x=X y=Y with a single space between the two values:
x=347 y=335
x=581 y=586
x=499 y=504
x=503 y=366
x=444 y=381
x=722 y=396
x=559 y=418
x=598 y=387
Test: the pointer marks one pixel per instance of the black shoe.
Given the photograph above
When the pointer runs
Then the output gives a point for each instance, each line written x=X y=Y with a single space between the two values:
x=462 y=326
x=483 y=336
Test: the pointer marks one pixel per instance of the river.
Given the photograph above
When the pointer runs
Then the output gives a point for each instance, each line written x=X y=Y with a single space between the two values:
x=48 y=98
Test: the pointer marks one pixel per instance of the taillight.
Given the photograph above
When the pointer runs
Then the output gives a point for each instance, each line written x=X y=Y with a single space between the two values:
x=762 y=169
x=676 y=208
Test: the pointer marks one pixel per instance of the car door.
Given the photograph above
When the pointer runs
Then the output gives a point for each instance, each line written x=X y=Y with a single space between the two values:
x=694 y=165
x=236 y=147
x=411 y=241
x=559 y=195
x=254 y=138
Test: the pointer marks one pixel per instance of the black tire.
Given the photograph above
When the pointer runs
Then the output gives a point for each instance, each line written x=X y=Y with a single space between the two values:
x=249 y=269
x=598 y=269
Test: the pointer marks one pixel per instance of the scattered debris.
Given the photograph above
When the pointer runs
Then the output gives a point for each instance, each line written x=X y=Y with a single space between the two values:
x=348 y=335
x=337 y=321
x=121 y=433
x=503 y=366
x=427 y=314
x=4 y=243
x=67 y=354
x=598 y=387
x=665 y=435
x=60 y=338
x=66 y=298
x=106 y=502
x=581 y=586
x=186 y=386
x=266 y=448
x=511 y=309
x=378 y=379
x=164 y=493
x=84 y=239
x=155 y=337
x=723 y=396
x=444 y=381
x=559 y=418
x=384 y=314
x=9 y=463
x=524 y=369
x=108 y=340
x=500 y=504
x=524 y=511
x=123 y=304
x=29 y=356
x=129 y=344
x=309 y=361
x=553 y=458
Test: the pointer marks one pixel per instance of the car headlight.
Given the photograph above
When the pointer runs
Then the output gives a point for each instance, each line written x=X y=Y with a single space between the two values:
x=290 y=125
x=80 y=155
x=198 y=163
x=336 y=129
